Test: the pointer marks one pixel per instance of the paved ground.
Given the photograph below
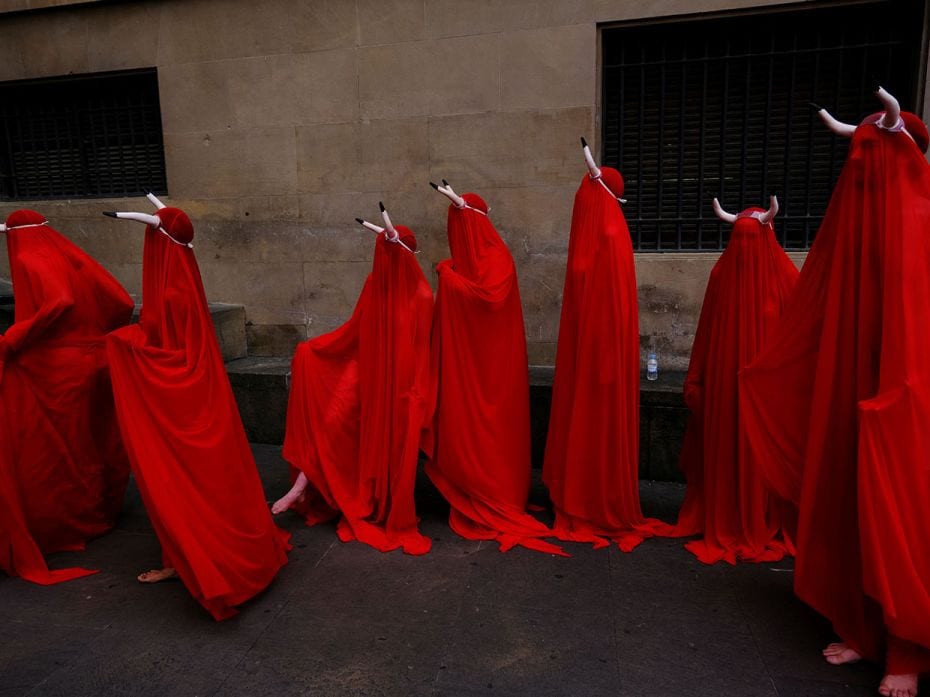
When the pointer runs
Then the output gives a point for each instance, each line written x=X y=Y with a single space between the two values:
x=465 y=620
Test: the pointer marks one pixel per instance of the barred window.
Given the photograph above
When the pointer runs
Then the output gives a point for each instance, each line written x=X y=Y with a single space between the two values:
x=81 y=136
x=694 y=109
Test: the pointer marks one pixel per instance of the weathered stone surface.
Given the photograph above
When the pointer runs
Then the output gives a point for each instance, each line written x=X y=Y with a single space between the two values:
x=514 y=149
x=391 y=21
x=454 y=76
x=261 y=387
x=332 y=289
x=550 y=67
x=256 y=161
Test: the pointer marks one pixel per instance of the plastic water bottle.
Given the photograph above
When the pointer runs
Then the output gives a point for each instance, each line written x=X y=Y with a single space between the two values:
x=652 y=367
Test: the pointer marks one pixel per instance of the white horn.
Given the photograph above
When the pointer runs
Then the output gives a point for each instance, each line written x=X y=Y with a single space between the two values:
x=155 y=202
x=152 y=220
x=770 y=214
x=722 y=214
x=2 y=227
x=447 y=191
x=589 y=160
x=892 y=108
x=371 y=226
x=841 y=129
x=392 y=233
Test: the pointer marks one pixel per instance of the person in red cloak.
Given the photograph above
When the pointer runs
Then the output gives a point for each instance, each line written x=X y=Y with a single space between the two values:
x=837 y=405
x=591 y=464
x=182 y=430
x=727 y=499
x=479 y=445
x=63 y=470
x=358 y=406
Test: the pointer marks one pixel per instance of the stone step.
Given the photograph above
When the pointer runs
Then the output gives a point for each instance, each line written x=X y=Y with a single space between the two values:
x=6 y=305
x=261 y=387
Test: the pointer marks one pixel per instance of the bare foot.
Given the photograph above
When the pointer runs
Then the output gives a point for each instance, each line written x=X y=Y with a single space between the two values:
x=290 y=498
x=899 y=685
x=157 y=575
x=840 y=654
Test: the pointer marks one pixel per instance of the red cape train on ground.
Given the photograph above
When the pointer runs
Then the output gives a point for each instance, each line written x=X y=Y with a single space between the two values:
x=480 y=443
x=727 y=499
x=63 y=470
x=837 y=406
x=592 y=451
x=185 y=439
x=359 y=404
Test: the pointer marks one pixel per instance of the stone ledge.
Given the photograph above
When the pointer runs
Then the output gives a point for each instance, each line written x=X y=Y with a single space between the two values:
x=261 y=387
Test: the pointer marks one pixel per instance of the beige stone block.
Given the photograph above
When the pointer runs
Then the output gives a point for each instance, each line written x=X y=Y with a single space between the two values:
x=541 y=278
x=232 y=162
x=122 y=36
x=262 y=92
x=454 y=76
x=513 y=149
x=55 y=46
x=332 y=289
x=273 y=293
x=216 y=29
x=617 y=10
x=463 y=17
x=391 y=21
x=373 y=156
x=11 y=58
x=549 y=68
x=533 y=219
x=241 y=210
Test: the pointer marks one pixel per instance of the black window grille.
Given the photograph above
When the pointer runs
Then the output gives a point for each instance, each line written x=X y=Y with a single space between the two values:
x=81 y=136
x=720 y=107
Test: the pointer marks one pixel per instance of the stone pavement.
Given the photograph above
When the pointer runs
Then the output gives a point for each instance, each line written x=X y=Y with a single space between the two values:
x=342 y=619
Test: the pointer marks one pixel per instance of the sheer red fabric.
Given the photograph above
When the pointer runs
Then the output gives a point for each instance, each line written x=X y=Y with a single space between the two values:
x=359 y=403
x=186 y=443
x=592 y=452
x=479 y=446
x=727 y=499
x=837 y=405
x=63 y=470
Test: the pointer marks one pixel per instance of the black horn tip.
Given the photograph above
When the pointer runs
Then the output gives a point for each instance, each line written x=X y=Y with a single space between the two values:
x=434 y=185
x=381 y=206
x=584 y=143
x=359 y=221
x=816 y=106
x=109 y=214
x=445 y=183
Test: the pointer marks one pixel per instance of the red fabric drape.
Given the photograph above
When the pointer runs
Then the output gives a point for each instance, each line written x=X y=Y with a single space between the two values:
x=727 y=499
x=479 y=447
x=359 y=404
x=185 y=439
x=63 y=470
x=592 y=452
x=836 y=405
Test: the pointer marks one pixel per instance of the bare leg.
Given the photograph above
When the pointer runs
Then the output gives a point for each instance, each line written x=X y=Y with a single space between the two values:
x=839 y=654
x=899 y=685
x=157 y=575
x=295 y=494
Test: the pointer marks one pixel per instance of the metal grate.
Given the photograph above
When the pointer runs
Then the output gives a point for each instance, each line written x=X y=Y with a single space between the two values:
x=81 y=136
x=719 y=107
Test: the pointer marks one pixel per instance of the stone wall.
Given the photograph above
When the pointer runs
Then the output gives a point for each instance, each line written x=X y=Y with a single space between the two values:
x=284 y=120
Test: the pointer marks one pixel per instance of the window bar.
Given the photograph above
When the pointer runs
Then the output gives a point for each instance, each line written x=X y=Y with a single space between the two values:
x=639 y=162
x=810 y=147
x=723 y=131
x=660 y=162
x=701 y=147
x=789 y=124
x=744 y=138
x=681 y=146
x=768 y=122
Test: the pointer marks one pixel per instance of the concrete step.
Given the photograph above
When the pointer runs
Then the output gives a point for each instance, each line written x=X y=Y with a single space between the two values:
x=261 y=387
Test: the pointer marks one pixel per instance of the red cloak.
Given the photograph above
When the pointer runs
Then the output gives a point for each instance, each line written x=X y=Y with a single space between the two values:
x=359 y=404
x=479 y=447
x=592 y=452
x=837 y=405
x=185 y=439
x=727 y=499
x=63 y=470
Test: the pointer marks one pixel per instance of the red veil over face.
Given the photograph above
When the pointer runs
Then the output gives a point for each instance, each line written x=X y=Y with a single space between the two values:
x=359 y=404
x=592 y=452
x=837 y=405
x=480 y=444
x=185 y=439
x=726 y=498
x=63 y=469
